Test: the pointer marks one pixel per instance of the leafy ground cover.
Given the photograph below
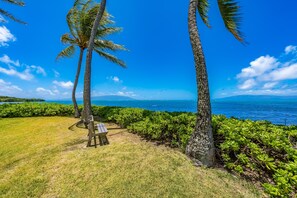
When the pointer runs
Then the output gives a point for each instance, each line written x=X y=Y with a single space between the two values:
x=41 y=157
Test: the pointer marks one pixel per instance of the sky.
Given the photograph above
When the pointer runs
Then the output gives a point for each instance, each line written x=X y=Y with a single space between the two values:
x=159 y=62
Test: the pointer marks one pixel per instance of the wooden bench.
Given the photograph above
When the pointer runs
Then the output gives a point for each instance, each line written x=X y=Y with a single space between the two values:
x=100 y=133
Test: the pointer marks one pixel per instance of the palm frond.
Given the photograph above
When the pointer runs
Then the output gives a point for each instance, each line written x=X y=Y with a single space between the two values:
x=86 y=6
x=110 y=57
x=102 y=32
x=7 y=14
x=108 y=45
x=230 y=13
x=15 y=2
x=72 y=21
x=67 y=39
x=66 y=53
x=203 y=7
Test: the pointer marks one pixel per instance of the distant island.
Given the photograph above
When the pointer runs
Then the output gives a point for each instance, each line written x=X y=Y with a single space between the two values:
x=14 y=99
x=113 y=98
x=251 y=98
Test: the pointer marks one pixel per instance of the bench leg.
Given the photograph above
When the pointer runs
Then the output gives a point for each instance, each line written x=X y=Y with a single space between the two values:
x=89 y=141
x=95 y=141
x=100 y=140
x=107 y=142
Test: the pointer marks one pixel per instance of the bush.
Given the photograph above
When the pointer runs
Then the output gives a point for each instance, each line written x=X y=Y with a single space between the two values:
x=35 y=109
x=126 y=116
x=260 y=150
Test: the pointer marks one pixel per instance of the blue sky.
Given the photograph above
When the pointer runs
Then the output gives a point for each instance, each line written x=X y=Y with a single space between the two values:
x=160 y=62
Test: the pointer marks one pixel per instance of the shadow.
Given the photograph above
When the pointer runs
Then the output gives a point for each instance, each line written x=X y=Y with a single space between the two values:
x=77 y=124
x=113 y=128
x=75 y=142
x=117 y=133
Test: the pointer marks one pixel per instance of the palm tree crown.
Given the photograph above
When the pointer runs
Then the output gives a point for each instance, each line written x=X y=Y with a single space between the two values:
x=80 y=20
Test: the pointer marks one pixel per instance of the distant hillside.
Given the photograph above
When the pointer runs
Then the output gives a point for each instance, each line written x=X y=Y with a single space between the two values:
x=250 y=98
x=113 y=98
x=14 y=99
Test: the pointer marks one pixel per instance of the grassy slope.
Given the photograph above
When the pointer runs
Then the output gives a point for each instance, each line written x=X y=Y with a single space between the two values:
x=40 y=157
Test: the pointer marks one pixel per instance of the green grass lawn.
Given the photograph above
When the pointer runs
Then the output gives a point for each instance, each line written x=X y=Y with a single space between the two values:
x=40 y=157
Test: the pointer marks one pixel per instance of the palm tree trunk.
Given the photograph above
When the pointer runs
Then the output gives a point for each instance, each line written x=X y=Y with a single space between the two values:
x=87 y=79
x=76 y=110
x=201 y=146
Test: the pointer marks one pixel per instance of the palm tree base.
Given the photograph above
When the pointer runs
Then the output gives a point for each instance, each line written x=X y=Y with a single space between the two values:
x=77 y=115
x=200 y=149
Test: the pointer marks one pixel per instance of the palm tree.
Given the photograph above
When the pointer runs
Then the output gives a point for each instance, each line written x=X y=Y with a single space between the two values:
x=80 y=19
x=7 y=14
x=87 y=79
x=200 y=147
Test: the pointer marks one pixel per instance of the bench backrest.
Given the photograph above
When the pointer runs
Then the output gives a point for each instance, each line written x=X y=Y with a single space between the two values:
x=91 y=125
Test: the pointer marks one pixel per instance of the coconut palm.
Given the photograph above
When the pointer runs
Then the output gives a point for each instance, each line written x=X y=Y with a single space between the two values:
x=87 y=77
x=80 y=20
x=9 y=15
x=201 y=144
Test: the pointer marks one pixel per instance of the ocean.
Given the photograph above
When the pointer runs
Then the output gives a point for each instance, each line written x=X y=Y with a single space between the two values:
x=284 y=113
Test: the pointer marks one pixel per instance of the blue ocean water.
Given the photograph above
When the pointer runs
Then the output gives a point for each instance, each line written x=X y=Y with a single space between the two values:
x=282 y=112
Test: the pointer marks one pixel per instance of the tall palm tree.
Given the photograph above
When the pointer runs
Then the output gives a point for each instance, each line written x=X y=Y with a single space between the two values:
x=80 y=20
x=201 y=144
x=87 y=79
x=9 y=15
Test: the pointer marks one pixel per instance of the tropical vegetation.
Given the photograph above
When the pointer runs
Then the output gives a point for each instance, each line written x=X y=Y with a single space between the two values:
x=14 y=99
x=259 y=151
x=80 y=20
x=8 y=14
x=201 y=145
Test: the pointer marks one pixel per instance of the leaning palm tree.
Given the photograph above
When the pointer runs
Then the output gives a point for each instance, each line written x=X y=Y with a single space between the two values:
x=9 y=15
x=80 y=20
x=201 y=144
x=87 y=78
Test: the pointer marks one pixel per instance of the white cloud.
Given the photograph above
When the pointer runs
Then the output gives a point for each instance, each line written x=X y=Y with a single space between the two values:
x=5 y=59
x=45 y=91
x=276 y=92
x=270 y=85
x=65 y=85
x=127 y=93
x=8 y=88
x=56 y=91
x=268 y=74
x=57 y=74
x=291 y=49
x=5 y=36
x=259 y=67
x=114 y=79
x=250 y=83
x=25 y=75
x=38 y=69
x=284 y=73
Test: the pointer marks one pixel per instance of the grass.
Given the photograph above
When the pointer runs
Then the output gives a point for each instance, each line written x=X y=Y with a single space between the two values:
x=40 y=157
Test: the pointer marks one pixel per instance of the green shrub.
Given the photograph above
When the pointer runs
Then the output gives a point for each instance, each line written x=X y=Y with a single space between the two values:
x=261 y=150
x=35 y=109
x=126 y=116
